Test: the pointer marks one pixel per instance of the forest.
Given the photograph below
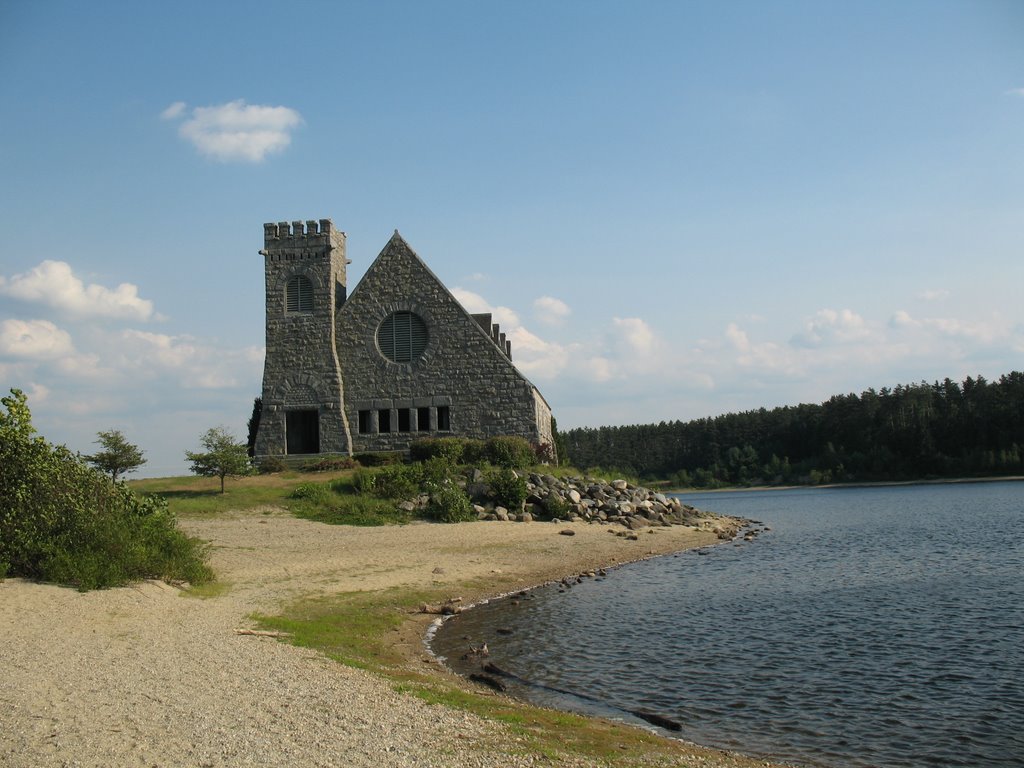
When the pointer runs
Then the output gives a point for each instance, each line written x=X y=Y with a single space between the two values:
x=912 y=432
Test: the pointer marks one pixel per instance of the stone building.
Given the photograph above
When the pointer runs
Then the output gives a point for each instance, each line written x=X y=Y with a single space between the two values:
x=396 y=360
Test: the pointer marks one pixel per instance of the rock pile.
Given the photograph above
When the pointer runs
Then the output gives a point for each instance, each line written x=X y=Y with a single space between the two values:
x=596 y=501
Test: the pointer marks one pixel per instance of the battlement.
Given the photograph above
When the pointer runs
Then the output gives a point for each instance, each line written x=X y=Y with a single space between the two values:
x=302 y=234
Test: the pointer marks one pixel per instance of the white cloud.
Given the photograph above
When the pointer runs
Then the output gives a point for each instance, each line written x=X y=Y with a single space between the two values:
x=829 y=326
x=34 y=340
x=55 y=284
x=184 y=359
x=174 y=111
x=237 y=131
x=634 y=336
x=933 y=294
x=551 y=311
x=476 y=304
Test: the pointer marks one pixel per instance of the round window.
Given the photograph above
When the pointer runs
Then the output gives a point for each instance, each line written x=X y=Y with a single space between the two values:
x=402 y=337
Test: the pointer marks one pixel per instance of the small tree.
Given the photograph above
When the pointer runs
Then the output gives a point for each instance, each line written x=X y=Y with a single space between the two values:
x=118 y=455
x=224 y=456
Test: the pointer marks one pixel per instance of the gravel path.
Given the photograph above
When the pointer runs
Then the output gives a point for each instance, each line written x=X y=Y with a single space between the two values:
x=144 y=676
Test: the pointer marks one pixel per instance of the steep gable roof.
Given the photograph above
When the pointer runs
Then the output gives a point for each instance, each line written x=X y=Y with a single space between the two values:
x=398 y=250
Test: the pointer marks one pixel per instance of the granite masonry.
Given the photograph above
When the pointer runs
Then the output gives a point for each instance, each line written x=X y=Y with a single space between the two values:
x=397 y=360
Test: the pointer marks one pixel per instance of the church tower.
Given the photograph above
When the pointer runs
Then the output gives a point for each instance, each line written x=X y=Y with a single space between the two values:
x=303 y=395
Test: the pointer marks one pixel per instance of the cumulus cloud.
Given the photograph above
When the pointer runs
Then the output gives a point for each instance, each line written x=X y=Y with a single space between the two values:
x=55 y=284
x=34 y=340
x=476 y=304
x=236 y=131
x=829 y=326
x=551 y=311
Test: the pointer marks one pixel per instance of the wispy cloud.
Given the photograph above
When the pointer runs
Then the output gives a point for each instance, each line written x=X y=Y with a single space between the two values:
x=54 y=283
x=933 y=294
x=1015 y=92
x=236 y=131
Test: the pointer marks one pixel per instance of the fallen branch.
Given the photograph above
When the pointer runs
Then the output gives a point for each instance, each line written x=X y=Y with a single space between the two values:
x=261 y=633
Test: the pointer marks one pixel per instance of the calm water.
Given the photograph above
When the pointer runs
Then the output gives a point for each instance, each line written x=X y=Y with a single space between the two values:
x=869 y=627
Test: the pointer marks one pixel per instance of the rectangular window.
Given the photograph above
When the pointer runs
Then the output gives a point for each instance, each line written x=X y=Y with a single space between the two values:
x=443 y=419
x=384 y=420
x=364 y=422
x=404 y=424
x=423 y=419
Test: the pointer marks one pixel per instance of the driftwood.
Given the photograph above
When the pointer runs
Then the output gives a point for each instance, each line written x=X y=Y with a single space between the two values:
x=261 y=633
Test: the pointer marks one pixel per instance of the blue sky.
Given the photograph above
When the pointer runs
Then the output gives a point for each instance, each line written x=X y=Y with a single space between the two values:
x=675 y=209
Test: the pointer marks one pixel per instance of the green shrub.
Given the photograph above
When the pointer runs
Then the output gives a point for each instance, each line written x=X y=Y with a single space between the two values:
x=450 y=504
x=329 y=464
x=435 y=472
x=509 y=451
x=449 y=448
x=508 y=489
x=473 y=451
x=363 y=481
x=63 y=521
x=318 y=493
x=398 y=481
x=379 y=458
x=556 y=506
x=271 y=464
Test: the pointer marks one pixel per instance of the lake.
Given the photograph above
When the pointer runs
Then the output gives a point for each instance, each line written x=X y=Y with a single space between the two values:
x=879 y=626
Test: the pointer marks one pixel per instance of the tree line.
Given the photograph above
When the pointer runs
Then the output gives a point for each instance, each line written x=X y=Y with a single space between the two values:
x=914 y=431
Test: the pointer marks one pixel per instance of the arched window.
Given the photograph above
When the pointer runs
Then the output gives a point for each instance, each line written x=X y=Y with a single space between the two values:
x=402 y=337
x=299 y=295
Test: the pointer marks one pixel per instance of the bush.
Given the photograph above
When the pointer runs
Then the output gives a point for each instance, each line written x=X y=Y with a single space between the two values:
x=556 y=506
x=63 y=521
x=398 y=481
x=271 y=464
x=314 y=492
x=329 y=464
x=449 y=448
x=450 y=504
x=473 y=451
x=508 y=488
x=378 y=458
x=509 y=451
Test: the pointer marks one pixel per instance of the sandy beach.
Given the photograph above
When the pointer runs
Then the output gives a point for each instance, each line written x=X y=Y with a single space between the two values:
x=148 y=676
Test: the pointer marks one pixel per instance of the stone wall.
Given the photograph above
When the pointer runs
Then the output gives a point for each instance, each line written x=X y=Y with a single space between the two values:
x=462 y=369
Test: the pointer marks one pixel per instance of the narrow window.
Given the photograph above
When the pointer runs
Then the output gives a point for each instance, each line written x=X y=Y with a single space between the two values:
x=364 y=422
x=384 y=420
x=423 y=419
x=404 y=424
x=299 y=295
x=443 y=419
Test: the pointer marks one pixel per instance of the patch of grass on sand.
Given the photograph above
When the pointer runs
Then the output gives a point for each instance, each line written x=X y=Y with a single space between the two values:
x=207 y=591
x=358 y=629
x=190 y=496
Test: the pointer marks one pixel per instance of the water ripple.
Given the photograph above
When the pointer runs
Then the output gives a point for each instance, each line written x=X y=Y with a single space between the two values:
x=878 y=626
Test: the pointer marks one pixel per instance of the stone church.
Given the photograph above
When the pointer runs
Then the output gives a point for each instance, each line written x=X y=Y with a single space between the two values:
x=395 y=360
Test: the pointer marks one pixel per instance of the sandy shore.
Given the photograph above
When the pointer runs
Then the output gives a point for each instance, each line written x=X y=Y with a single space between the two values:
x=144 y=676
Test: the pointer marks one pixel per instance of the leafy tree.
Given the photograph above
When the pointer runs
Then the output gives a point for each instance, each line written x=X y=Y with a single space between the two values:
x=224 y=456
x=118 y=455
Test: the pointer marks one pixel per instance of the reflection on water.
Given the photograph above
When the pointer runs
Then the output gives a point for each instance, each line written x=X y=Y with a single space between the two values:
x=870 y=626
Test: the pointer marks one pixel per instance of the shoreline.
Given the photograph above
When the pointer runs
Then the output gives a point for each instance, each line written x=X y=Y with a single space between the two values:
x=146 y=675
x=865 y=484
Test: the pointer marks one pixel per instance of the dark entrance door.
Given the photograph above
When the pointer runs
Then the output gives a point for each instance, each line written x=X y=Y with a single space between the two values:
x=303 y=431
